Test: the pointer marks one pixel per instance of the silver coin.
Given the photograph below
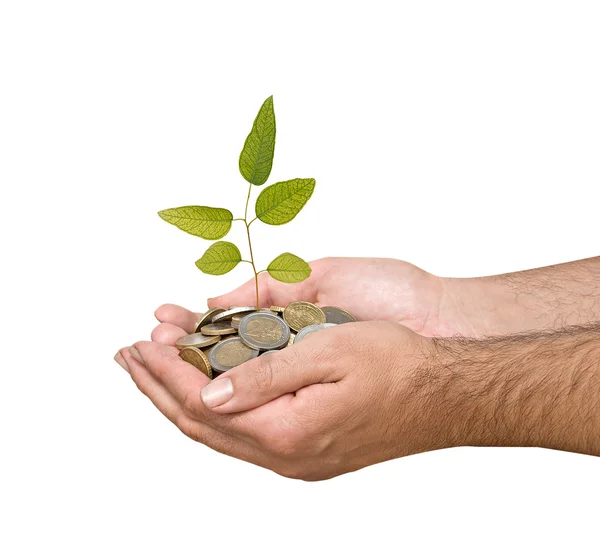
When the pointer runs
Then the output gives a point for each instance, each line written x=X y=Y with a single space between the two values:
x=226 y=315
x=230 y=353
x=264 y=331
x=304 y=332
x=217 y=328
x=336 y=315
x=207 y=317
x=270 y=351
x=197 y=340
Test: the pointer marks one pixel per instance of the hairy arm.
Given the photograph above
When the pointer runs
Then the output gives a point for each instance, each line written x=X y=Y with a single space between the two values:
x=536 y=389
x=543 y=298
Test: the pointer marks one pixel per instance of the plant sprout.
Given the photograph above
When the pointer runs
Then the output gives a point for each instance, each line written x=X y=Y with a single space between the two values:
x=276 y=204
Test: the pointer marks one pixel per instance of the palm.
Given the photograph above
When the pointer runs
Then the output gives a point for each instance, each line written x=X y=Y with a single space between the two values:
x=377 y=289
x=371 y=289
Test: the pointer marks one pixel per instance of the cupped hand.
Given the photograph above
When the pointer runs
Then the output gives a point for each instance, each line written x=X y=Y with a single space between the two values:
x=344 y=398
x=371 y=289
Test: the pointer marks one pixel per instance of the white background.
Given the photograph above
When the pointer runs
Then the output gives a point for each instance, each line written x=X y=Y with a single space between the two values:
x=460 y=136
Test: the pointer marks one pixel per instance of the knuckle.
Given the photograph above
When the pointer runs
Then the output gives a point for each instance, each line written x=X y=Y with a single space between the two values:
x=157 y=333
x=263 y=375
x=192 y=405
x=287 y=442
x=291 y=471
x=324 y=261
x=192 y=429
x=284 y=447
x=182 y=422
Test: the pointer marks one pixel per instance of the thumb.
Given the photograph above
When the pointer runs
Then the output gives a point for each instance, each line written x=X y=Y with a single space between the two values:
x=245 y=295
x=263 y=379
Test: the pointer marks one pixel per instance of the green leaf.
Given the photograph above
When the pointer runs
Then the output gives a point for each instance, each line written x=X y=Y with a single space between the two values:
x=281 y=202
x=219 y=258
x=205 y=222
x=256 y=158
x=289 y=268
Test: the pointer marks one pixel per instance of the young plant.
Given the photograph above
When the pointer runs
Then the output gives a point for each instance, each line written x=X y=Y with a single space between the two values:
x=277 y=204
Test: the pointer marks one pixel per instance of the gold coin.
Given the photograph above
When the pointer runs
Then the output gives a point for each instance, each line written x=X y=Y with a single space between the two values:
x=194 y=356
x=292 y=339
x=264 y=330
x=235 y=321
x=197 y=340
x=230 y=353
x=299 y=314
x=217 y=329
x=277 y=309
x=230 y=313
x=207 y=317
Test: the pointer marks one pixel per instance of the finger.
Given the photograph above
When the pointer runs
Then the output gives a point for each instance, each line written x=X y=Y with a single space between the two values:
x=167 y=334
x=152 y=388
x=184 y=382
x=268 y=377
x=179 y=316
x=172 y=410
x=273 y=292
x=181 y=379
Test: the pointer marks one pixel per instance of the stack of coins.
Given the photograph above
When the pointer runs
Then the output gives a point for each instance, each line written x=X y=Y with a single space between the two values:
x=225 y=338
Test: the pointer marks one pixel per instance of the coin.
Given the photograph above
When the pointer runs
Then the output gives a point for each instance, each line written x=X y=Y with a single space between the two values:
x=310 y=329
x=264 y=331
x=230 y=353
x=277 y=309
x=208 y=349
x=217 y=329
x=197 y=340
x=299 y=314
x=207 y=317
x=292 y=339
x=269 y=351
x=226 y=315
x=266 y=310
x=337 y=315
x=194 y=356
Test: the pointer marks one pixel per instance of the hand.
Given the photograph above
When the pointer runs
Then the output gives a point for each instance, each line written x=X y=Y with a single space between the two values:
x=371 y=289
x=343 y=398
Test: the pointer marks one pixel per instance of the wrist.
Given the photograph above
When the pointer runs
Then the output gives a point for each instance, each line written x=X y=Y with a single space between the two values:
x=476 y=307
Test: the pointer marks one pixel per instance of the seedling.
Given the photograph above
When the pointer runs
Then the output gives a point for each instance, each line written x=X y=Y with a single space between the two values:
x=277 y=204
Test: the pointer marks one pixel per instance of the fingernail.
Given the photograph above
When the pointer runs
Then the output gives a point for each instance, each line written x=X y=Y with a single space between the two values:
x=119 y=359
x=217 y=392
x=136 y=354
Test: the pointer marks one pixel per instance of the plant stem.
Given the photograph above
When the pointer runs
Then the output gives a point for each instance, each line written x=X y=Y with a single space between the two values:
x=250 y=242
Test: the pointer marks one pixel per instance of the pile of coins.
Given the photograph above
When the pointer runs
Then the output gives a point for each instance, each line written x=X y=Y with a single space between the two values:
x=226 y=338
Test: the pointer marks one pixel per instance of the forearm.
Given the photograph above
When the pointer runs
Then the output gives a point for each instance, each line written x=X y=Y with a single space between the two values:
x=543 y=298
x=537 y=389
